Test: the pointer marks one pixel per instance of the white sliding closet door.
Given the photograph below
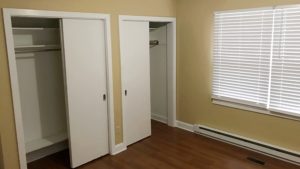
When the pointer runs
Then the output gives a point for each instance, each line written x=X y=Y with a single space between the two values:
x=135 y=62
x=84 y=48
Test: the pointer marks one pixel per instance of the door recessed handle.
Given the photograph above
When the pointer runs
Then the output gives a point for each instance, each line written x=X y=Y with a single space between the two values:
x=104 y=97
x=125 y=92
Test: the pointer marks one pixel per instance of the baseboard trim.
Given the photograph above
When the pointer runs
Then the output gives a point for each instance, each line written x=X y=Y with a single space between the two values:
x=159 y=118
x=270 y=150
x=250 y=144
x=119 y=148
x=38 y=154
x=185 y=126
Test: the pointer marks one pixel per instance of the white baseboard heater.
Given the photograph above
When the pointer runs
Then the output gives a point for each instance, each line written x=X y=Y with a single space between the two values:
x=250 y=144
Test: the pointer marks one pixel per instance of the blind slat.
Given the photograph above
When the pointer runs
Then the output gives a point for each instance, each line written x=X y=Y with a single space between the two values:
x=242 y=43
x=285 y=79
x=257 y=58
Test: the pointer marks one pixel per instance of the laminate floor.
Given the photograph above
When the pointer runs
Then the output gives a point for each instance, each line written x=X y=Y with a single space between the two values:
x=171 y=148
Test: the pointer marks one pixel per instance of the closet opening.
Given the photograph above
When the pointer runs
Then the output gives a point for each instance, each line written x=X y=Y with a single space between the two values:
x=61 y=79
x=41 y=85
x=158 y=71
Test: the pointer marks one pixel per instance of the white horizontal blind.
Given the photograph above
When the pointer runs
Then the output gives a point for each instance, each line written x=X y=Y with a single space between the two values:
x=285 y=79
x=242 y=47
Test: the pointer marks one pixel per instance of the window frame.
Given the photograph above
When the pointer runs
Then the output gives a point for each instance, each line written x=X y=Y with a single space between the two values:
x=238 y=104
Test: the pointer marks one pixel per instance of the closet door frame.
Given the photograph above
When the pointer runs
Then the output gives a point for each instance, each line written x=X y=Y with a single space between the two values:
x=171 y=64
x=8 y=13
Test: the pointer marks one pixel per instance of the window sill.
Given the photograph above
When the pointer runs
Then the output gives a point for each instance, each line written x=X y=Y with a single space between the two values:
x=254 y=109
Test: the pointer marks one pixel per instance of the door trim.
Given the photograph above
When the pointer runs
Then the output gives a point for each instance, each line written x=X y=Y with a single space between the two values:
x=171 y=63
x=10 y=12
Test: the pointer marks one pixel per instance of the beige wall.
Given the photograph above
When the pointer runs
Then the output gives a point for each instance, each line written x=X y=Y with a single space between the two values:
x=194 y=19
x=194 y=30
x=114 y=7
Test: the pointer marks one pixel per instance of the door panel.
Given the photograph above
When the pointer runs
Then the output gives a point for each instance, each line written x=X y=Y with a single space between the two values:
x=85 y=73
x=135 y=62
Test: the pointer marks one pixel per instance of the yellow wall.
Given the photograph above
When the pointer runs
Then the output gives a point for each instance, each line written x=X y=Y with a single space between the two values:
x=194 y=26
x=194 y=30
x=114 y=7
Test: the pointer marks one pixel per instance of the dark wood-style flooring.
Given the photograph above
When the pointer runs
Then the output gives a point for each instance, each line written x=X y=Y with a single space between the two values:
x=171 y=148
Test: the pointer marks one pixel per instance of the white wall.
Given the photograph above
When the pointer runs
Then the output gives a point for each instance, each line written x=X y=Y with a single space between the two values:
x=40 y=78
x=42 y=94
x=1 y=156
x=158 y=72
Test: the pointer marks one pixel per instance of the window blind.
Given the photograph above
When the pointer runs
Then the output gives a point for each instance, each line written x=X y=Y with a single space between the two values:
x=285 y=80
x=242 y=47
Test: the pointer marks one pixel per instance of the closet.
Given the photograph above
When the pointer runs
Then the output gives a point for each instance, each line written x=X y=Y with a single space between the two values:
x=59 y=83
x=158 y=71
x=41 y=85
x=148 y=75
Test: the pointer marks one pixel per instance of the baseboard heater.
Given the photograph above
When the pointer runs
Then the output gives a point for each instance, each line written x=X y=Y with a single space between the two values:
x=253 y=145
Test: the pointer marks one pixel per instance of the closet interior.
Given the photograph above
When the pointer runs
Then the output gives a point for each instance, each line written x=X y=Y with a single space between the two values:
x=41 y=83
x=158 y=70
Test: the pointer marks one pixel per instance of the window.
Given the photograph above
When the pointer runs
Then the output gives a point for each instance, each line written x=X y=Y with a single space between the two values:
x=257 y=58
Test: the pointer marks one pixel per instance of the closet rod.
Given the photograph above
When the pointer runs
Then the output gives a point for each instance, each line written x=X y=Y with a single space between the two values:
x=153 y=43
x=37 y=50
